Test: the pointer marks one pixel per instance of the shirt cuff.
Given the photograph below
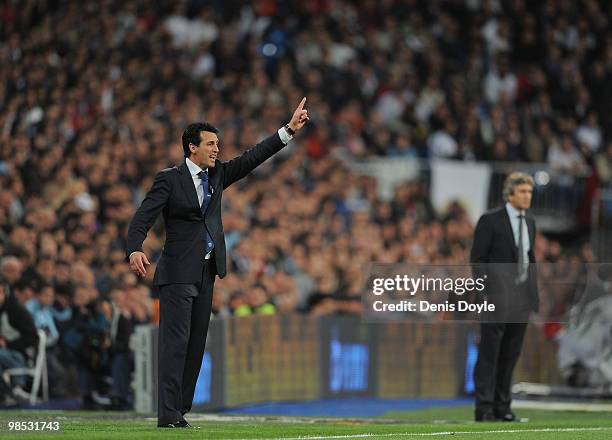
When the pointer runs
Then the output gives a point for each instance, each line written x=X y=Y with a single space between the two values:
x=284 y=136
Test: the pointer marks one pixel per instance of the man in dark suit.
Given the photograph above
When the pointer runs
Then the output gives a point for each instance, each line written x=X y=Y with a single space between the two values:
x=503 y=248
x=189 y=197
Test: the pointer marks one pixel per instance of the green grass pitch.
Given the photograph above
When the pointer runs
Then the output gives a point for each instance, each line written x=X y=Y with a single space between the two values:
x=449 y=423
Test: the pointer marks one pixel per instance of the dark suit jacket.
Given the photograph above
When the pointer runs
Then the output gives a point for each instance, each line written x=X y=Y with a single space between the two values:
x=26 y=337
x=174 y=195
x=494 y=245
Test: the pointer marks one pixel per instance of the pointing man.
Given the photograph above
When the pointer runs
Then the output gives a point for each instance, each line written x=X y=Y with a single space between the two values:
x=189 y=197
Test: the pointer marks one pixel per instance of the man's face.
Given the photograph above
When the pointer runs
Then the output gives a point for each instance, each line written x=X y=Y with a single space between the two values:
x=205 y=155
x=12 y=271
x=520 y=198
x=566 y=143
x=46 y=296
x=23 y=296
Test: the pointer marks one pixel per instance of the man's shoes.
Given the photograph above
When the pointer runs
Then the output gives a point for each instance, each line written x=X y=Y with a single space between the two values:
x=484 y=416
x=177 y=424
x=505 y=416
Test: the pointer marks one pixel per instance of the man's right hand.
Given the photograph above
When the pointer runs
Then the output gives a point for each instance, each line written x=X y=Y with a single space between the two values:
x=137 y=263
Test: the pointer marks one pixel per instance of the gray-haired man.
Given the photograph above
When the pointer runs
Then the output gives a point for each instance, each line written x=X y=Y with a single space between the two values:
x=504 y=243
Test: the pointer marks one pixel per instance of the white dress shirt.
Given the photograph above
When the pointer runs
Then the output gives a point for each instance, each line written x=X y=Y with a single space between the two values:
x=284 y=135
x=197 y=182
x=199 y=187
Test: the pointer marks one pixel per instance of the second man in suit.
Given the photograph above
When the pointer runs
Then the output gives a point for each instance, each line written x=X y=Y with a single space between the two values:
x=503 y=248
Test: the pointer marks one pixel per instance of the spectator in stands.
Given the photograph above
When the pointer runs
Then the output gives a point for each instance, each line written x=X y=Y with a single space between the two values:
x=18 y=343
x=442 y=143
x=589 y=134
x=23 y=290
x=11 y=268
x=500 y=84
x=539 y=141
x=603 y=165
x=566 y=158
x=85 y=340
x=118 y=355
x=258 y=303
x=40 y=307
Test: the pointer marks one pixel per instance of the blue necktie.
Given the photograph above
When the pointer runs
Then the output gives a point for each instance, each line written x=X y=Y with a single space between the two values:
x=209 y=245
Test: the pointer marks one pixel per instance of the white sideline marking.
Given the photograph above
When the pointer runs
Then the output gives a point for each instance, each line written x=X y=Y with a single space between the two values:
x=441 y=433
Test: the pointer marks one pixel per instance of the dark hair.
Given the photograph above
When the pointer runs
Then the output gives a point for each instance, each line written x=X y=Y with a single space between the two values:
x=66 y=289
x=42 y=286
x=26 y=281
x=191 y=135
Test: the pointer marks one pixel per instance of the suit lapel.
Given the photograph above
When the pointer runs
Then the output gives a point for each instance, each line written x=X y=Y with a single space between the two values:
x=510 y=233
x=187 y=184
x=531 y=231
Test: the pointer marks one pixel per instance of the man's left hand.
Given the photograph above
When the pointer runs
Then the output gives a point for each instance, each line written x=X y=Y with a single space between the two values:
x=300 y=117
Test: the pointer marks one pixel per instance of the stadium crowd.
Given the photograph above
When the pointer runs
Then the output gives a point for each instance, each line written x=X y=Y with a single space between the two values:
x=94 y=96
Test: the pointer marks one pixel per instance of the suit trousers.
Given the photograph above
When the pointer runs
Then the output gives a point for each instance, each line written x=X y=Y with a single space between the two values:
x=498 y=352
x=184 y=318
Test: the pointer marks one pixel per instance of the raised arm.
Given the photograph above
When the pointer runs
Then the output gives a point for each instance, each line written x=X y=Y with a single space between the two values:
x=242 y=165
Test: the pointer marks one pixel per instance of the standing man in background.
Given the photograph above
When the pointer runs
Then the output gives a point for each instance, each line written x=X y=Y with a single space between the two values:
x=189 y=196
x=505 y=235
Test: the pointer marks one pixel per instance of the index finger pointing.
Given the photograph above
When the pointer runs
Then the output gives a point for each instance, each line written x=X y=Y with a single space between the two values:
x=302 y=102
